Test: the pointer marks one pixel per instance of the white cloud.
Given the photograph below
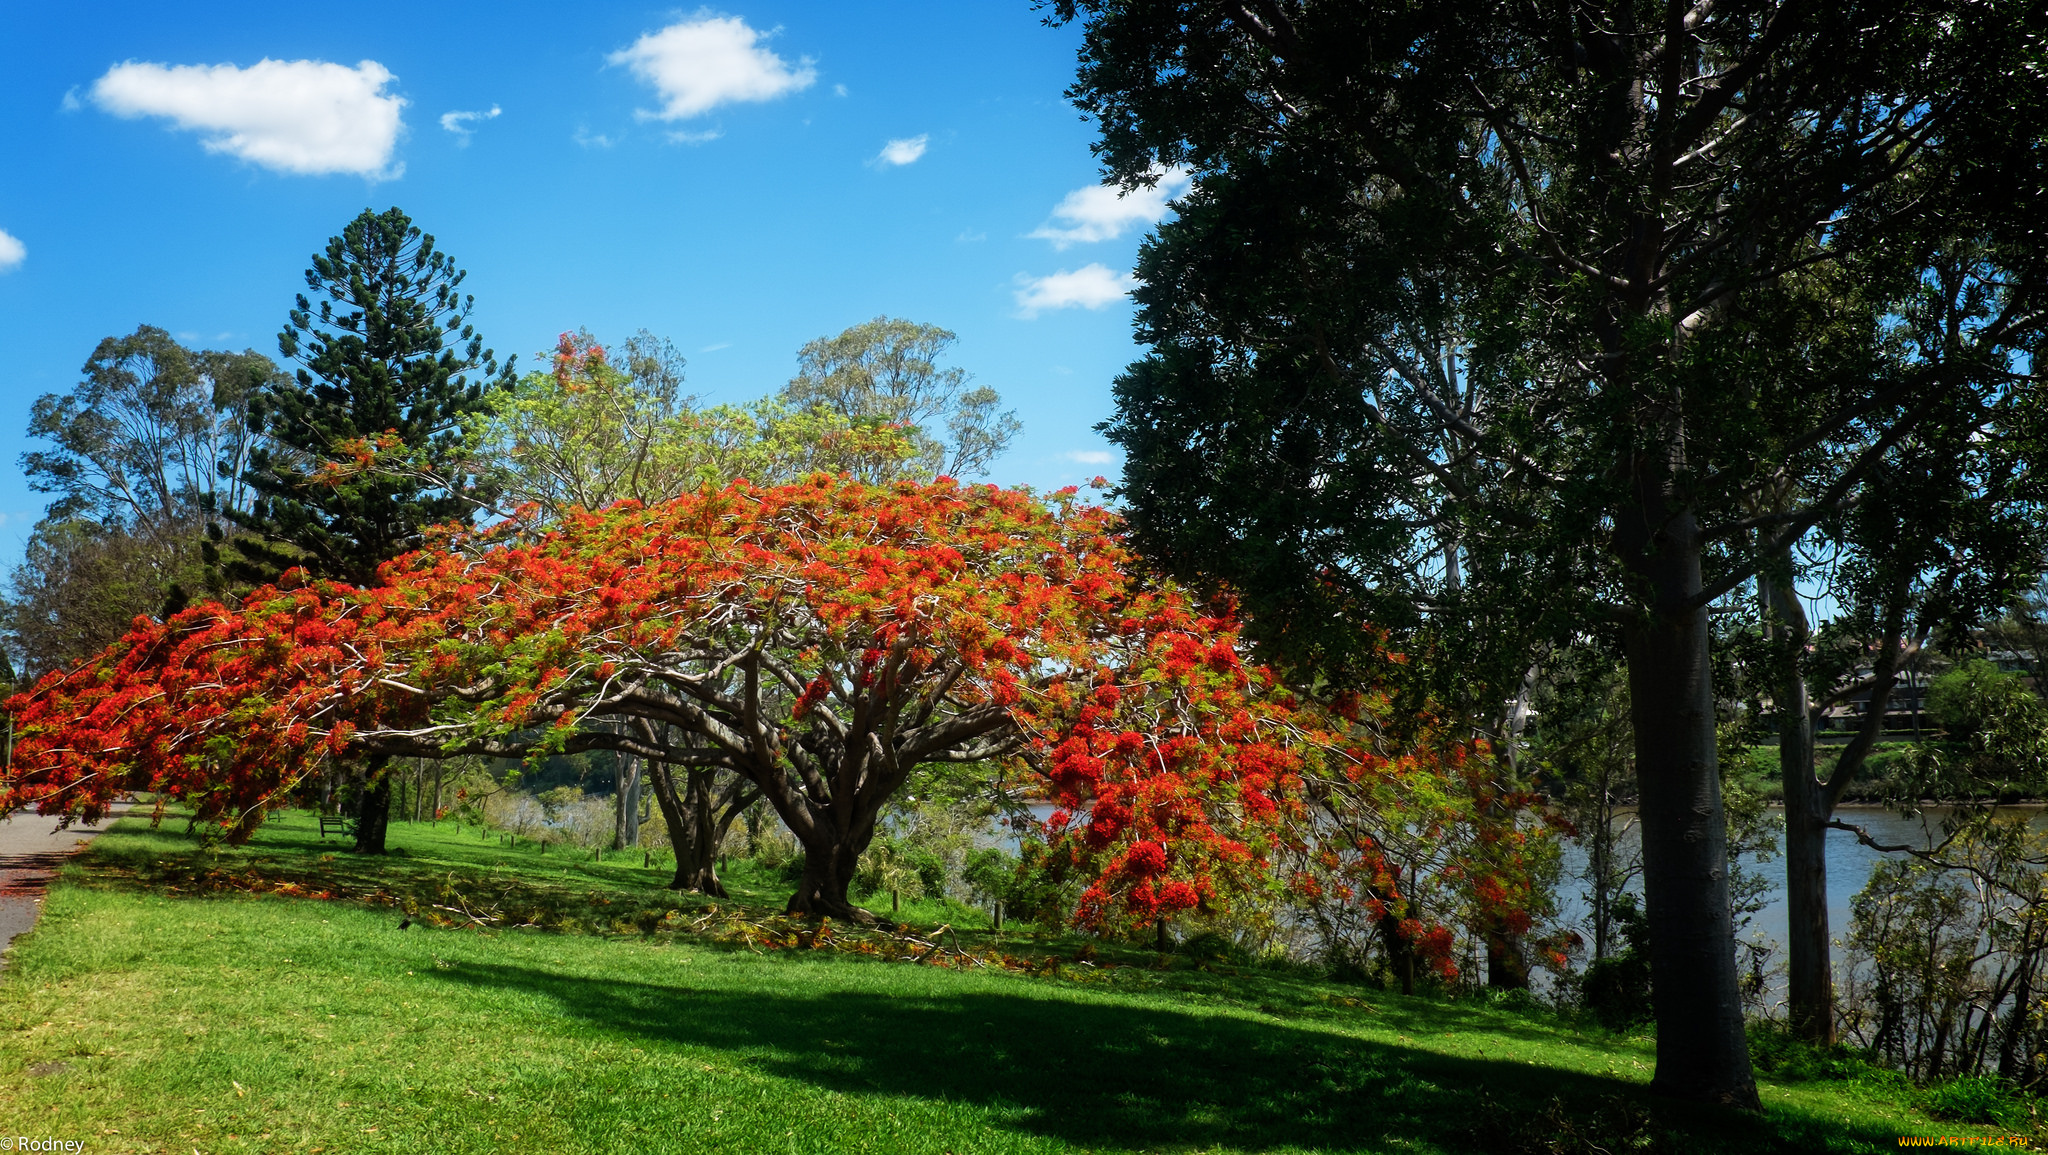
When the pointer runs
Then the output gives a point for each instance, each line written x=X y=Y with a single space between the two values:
x=459 y=122
x=905 y=151
x=705 y=61
x=296 y=116
x=1102 y=212
x=1089 y=287
x=839 y=90
x=1090 y=456
x=695 y=137
x=70 y=102
x=12 y=251
x=589 y=139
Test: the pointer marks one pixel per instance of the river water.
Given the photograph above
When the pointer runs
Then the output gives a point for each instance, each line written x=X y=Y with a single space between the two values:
x=1849 y=865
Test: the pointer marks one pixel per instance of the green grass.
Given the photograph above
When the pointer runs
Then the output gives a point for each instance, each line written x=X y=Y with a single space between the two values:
x=161 y=1008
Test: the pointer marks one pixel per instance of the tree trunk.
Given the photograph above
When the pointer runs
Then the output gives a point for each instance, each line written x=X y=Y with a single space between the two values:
x=1811 y=991
x=682 y=812
x=1810 y=803
x=1702 y=1052
x=626 y=803
x=373 y=815
x=828 y=872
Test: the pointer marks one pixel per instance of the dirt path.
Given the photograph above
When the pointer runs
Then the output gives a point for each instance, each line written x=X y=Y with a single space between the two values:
x=31 y=849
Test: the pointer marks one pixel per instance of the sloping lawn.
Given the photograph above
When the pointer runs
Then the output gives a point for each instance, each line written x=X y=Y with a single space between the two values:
x=159 y=1008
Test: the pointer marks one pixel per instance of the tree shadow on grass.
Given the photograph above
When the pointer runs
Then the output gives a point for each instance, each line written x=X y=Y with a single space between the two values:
x=1107 y=1075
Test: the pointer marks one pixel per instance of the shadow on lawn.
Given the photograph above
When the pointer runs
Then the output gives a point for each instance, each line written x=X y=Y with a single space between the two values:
x=1115 y=1075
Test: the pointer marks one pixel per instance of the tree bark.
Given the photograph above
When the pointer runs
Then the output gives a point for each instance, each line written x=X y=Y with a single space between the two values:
x=828 y=872
x=1702 y=1052
x=626 y=803
x=373 y=813
x=1809 y=963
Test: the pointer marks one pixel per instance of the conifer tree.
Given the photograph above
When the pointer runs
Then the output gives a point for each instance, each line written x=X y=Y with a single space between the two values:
x=388 y=368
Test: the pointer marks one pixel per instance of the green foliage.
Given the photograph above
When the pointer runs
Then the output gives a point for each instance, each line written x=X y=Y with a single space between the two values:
x=991 y=875
x=385 y=356
x=606 y=426
x=897 y=866
x=1996 y=737
x=886 y=371
x=1977 y=1099
x=1617 y=990
x=141 y=456
x=1948 y=954
x=1777 y=1051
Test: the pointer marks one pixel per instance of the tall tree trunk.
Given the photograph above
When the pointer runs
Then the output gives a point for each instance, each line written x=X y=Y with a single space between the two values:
x=1810 y=977
x=626 y=803
x=1702 y=1052
x=1810 y=802
x=373 y=814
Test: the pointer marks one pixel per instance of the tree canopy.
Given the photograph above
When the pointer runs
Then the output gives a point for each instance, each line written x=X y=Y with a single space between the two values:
x=385 y=349
x=886 y=371
x=819 y=639
x=1607 y=301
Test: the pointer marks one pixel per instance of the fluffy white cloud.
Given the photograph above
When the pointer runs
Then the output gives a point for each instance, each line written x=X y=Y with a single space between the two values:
x=12 y=251
x=706 y=61
x=1103 y=212
x=296 y=116
x=459 y=122
x=905 y=151
x=1089 y=287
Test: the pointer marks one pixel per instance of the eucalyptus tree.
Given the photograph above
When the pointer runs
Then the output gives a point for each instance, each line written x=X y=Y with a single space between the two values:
x=1568 y=319
x=132 y=456
x=887 y=371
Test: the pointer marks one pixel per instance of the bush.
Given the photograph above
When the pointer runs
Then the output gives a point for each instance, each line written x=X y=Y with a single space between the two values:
x=1616 y=990
x=1775 y=1050
x=1975 y=1099
x=991 y=876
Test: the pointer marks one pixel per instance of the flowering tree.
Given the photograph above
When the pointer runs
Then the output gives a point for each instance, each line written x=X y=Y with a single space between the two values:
x=819 y=640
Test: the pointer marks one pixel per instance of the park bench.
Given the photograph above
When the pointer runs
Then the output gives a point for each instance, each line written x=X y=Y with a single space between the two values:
x=332 y=823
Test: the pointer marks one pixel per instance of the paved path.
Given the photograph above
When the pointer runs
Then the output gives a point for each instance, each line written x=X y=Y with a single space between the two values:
x=31 y=848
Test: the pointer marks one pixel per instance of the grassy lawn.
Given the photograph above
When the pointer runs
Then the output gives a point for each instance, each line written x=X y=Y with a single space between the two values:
x=174 y=1000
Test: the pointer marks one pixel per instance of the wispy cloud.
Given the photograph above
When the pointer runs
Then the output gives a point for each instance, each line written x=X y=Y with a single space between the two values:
x=898 y=153
x=12 y=251
x=1090 y=456
x=589 y=139
x=705 y=137
x=697 y=64
x=306 y=117
x=1104 y=212
x=716 y=348
x=460 y=123
x=70 y=103
x=1089 y=287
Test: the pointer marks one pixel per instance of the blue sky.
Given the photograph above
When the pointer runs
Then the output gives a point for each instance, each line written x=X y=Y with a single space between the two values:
x=738 y=179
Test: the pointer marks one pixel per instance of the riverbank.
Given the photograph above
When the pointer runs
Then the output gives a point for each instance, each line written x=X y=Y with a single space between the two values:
x=177 y=998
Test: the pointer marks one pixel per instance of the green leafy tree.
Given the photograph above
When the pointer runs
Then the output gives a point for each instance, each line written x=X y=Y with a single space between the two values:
x=1569 y=320
x=606 y=426
x=385 y=362
x=886 y=371
x=133 y=457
